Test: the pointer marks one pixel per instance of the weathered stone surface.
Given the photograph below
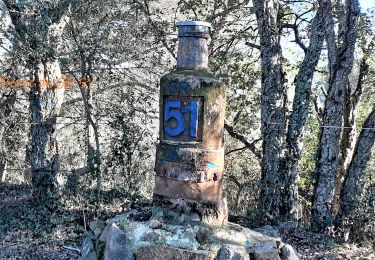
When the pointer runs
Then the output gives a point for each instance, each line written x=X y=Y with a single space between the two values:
x=219 y=217
x=155 y=252
x=87 y=250
x=96 y=224
x=116 y=245
x=209 y=191
x=150 y=237
x=288 y=253
x=192 y=46
x=122 y=238
x=268 y=230
x=202 y=235
x=195 y=171
x=90 y=256
x=181 y=211
x=154 y=224
x=183 y=238
x=265 y=251
x=233 y=252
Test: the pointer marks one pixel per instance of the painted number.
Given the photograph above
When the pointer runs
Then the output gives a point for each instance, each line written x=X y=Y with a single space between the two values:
x=173 y=109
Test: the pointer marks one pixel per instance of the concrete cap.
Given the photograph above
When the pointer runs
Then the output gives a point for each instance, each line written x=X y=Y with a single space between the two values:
x=193 y=23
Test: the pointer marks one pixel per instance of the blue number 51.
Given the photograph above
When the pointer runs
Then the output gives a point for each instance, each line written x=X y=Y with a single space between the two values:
x=172 y=109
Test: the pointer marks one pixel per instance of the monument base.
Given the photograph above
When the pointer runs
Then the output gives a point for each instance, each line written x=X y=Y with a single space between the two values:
x=122 y=238
x=182 y=211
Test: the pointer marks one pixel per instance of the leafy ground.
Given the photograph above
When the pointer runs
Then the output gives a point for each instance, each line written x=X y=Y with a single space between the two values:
x=27 y=234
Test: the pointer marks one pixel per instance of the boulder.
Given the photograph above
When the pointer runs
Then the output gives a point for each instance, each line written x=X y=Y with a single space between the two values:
x=155 y=224
x=265 y=251
x=96 y=224
x=182 y=238
x=288 y=253
x=87 y=251
x=155 y=252
x=116 y=246
x=202 y=235
x=268 y=230
x=233 y=252
x=90 y=256
x=150 y=237
x=164 y=239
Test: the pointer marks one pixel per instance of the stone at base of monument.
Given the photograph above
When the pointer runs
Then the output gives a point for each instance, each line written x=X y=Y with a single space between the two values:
x=126 y=239
x=181 y=211
x=166 y=252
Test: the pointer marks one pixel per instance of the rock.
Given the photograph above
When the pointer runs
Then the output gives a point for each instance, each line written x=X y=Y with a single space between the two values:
x=116 y=244
x=8 y=238
x=288 y=253
x=194 y=217
x=149 y=237
x=288 y=225
x=96 y=224
x=155 y=224
x=268 y=230
x=181 y=219
x=233 y=252
x=182 y=238
x=103 y=235
x=156 y=239
x=87 y=250
x=90 y=256
x=202 y=235
x=156 y=252
x=280 y=244
x=97 y=232
x=266 y=251
x=234 y=236
x=220 y=217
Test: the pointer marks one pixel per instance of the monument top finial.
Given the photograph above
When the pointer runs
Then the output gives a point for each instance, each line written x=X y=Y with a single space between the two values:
x=193 y=50
x=193 y=23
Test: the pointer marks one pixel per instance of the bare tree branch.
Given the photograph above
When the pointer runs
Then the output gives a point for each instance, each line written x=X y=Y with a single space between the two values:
x=297 y=38
x=243 y=139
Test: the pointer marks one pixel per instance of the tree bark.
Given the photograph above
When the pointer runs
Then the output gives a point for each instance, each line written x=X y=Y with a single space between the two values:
x=298 y=117
x=45 y=102
x=273 y=102
x=349 y=134
x=329 y=146
x=348 y=138
x=354 y=186
x=6 y=105
x=3 y=167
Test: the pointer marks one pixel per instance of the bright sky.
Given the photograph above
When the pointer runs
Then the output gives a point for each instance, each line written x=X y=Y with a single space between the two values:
x=365 y=4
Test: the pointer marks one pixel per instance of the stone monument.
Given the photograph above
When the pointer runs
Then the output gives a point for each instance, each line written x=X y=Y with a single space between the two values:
x=190 y=156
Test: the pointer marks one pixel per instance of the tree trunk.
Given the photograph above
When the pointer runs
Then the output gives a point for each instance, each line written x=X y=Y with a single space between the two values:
x=354 y=186
x=46 y=94
x=6 y=106
x=329 y=146
x=299 y=114
x=3 y=168
x=93 y=144
x=349 y=134
x=45 y=102
x=273 y=102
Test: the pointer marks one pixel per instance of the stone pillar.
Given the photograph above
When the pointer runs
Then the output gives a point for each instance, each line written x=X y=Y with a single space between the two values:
x=190 y=156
